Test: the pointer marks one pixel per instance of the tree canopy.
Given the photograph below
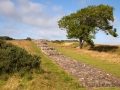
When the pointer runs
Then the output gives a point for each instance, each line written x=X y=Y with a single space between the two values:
x=86 y=22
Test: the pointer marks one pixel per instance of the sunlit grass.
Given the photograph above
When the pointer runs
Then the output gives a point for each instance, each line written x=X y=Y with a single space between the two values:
x=101 y=64
x=52 y=78
x=104 y=65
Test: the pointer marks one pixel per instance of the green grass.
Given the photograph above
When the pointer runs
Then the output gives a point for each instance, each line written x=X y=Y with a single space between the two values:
x=58 y=78
x=112 y=49
x=101 y=64
x=52 y=78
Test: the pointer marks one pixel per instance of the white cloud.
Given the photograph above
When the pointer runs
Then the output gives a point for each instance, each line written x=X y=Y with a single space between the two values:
x=81 y=2
x=116 y=25
x=48 y=34
x=8 y=9
x=31 y=8
x=57 y=9
x=34 y=16
x=24 y=2
x=12 y=30
x=116 y=22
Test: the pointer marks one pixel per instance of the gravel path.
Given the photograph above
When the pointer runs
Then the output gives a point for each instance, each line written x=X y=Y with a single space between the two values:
x=87 y=75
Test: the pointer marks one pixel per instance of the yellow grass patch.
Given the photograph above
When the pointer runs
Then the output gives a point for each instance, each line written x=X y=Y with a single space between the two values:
x=114 y=58
x=11 y=84
x=111 y=57
x=23 y=44
x=68 y=43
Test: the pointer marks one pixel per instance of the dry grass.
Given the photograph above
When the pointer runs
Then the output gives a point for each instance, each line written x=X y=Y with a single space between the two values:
x=53 y=78
x=91 y=57
x=113 y=57
x=68 y=43
x=12 y=83
x=26 y=44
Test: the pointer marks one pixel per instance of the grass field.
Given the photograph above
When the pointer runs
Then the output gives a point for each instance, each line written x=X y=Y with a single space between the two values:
x=87 y=56
x=53 y=77
x=91 y=57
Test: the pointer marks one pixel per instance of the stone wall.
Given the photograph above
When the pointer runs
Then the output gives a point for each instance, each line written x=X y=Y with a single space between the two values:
x=87 y=75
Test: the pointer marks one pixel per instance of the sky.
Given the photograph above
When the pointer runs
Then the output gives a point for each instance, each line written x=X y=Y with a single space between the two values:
x=38 y=19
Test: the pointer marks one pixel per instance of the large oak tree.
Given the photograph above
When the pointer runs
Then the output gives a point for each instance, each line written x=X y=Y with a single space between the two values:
x=85 y=23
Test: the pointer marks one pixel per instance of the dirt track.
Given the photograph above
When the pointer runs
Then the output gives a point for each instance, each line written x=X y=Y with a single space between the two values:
x=87 y=75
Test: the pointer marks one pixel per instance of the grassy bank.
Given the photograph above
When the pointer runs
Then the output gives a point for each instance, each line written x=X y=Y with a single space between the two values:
x=104 y=65
x=52 y=78
x=58 y=78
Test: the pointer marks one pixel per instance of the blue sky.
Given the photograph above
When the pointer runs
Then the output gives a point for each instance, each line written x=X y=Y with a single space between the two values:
x=37 y=19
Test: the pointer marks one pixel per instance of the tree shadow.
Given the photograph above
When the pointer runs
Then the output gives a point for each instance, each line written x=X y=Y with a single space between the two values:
x=104 y=48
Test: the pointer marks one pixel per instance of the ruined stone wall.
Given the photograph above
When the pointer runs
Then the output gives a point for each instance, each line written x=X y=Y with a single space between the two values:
x=87 y=75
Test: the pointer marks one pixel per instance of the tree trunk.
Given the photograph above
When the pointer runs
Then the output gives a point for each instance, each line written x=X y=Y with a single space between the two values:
x=81 y=41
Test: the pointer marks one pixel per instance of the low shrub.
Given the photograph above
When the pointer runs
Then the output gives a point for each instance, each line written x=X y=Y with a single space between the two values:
x=6 y=38
x=15 y=59
x=58 y=41
x=28 y=38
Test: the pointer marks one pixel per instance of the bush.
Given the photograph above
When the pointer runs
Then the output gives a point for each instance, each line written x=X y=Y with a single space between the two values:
x=28 y=38
x=58 y=41
x=5 y=38
x=15 y=59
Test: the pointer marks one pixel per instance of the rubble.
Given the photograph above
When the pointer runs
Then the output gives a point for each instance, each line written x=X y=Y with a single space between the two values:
x=87 y=75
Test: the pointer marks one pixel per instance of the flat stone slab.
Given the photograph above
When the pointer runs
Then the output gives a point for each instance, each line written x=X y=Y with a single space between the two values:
x=87 y=75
